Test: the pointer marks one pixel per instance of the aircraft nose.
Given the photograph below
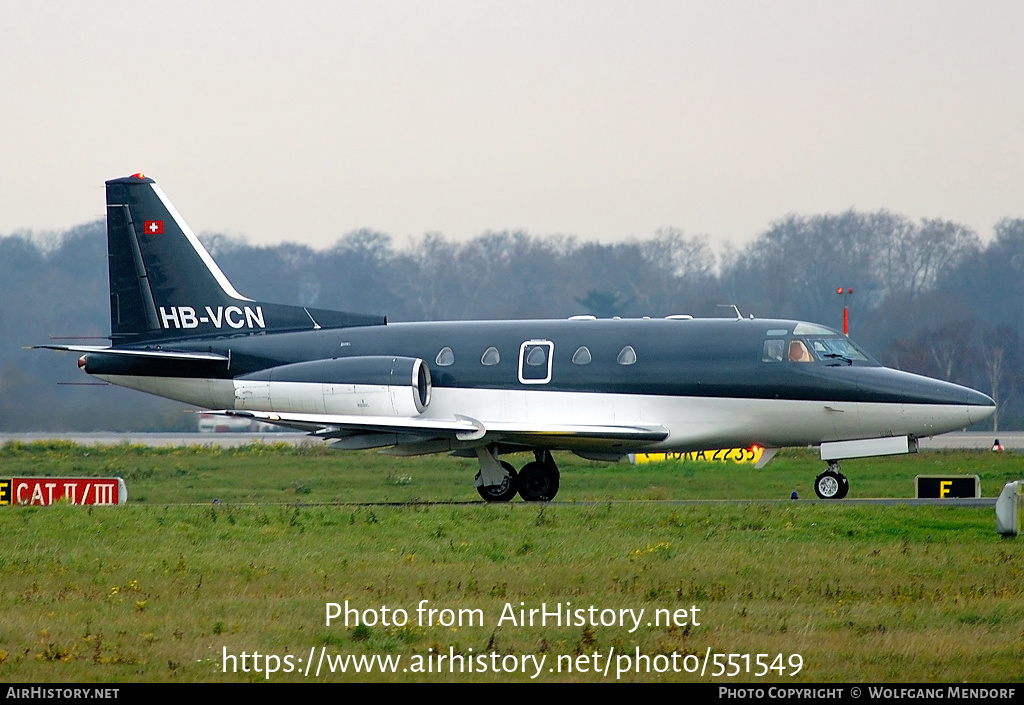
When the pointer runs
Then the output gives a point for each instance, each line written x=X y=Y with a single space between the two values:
x=929 y=405
x=926 y=390
x=980 y=406
x=973 y=404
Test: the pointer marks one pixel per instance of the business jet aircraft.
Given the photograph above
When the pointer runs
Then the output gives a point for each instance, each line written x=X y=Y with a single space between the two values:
x=599 y=388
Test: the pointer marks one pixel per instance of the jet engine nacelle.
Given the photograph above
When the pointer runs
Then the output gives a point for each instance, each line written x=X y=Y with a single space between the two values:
x=379 y=385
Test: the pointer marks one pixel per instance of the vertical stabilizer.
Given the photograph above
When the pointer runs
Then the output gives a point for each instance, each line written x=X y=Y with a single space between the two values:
x=164 y=283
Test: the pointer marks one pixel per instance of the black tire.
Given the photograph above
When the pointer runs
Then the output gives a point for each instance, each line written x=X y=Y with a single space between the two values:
x=538 y=482
x=503 y=492
x=831 y=485
x=844 y=486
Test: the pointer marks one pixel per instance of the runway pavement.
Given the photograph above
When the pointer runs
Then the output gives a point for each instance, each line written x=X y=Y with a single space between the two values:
x=223 y=440
x=960 y=441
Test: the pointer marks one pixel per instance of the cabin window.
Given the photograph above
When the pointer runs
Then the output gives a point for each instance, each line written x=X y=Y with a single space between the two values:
x=490 y=357
x=536 y=356
x=627 y=356
x=798 y=352
x=445 y=357
x=581 y=356
x=774 y=351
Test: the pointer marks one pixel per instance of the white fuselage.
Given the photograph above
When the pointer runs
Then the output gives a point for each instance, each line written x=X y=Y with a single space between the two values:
x=693 y=422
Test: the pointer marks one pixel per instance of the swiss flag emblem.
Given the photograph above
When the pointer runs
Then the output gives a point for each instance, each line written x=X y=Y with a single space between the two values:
x=153 y=227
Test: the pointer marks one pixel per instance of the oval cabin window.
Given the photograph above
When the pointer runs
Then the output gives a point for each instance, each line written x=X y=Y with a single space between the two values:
x=445 y=357
x=536 y=356
x=490 y=357
x=627 y=356
x=581 y=356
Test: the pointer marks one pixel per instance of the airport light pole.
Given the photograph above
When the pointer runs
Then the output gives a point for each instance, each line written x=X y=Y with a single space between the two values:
x=846 y=293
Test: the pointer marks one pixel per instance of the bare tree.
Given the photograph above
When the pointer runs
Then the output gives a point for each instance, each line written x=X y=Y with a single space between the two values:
x=999 y=353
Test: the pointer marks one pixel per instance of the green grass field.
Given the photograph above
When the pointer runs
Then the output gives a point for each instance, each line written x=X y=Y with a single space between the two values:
x=158 y=589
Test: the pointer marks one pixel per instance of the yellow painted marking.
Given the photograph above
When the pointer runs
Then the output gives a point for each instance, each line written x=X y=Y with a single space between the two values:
x=732 y=455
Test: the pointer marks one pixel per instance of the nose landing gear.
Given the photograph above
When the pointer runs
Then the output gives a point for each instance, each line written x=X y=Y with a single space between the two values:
x=831 y=484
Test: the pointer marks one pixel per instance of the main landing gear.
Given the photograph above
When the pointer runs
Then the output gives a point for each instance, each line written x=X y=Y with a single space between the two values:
x=504 y=491
x=536 y=482
x=831 y=484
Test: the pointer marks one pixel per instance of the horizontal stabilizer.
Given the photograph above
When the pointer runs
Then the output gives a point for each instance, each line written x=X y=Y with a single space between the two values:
x=147 y=354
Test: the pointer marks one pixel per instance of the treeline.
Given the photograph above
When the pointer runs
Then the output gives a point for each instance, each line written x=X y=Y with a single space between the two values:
x=929 y=296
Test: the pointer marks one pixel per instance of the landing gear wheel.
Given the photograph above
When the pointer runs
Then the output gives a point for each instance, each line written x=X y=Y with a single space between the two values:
x=831 y=484
x=538 y=482
x=506 y=490
x=844 y=486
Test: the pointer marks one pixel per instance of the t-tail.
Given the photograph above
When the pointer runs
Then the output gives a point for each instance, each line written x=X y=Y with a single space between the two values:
x=165 y=285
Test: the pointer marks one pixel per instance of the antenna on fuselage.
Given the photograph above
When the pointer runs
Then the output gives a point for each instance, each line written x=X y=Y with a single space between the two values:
x=734 y=307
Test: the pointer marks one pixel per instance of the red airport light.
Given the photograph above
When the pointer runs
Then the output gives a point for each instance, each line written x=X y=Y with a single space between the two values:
x=845 y=292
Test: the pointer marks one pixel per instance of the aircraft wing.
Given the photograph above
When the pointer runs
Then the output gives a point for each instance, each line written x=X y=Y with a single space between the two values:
x=338 y=425
x=461 y=428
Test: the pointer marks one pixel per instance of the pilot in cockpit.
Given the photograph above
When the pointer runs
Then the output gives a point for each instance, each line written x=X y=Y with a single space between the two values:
x=798 y=352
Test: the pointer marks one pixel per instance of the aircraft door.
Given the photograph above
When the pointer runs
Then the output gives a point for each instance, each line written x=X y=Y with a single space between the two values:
x=535 y=361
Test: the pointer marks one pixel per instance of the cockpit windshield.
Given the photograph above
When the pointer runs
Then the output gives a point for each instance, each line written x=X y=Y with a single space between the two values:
x=812 y=344
x=836 y=348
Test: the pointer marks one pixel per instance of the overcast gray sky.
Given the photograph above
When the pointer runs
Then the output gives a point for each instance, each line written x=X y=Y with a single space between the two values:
x=301 y=121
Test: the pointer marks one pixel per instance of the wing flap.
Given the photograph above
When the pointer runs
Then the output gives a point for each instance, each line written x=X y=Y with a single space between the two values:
x=642 y=433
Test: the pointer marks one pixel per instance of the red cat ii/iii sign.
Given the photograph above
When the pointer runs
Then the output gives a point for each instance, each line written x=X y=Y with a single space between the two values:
x=40 y=491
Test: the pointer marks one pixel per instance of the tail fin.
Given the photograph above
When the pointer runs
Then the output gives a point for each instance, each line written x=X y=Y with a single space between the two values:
x=164 y=284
